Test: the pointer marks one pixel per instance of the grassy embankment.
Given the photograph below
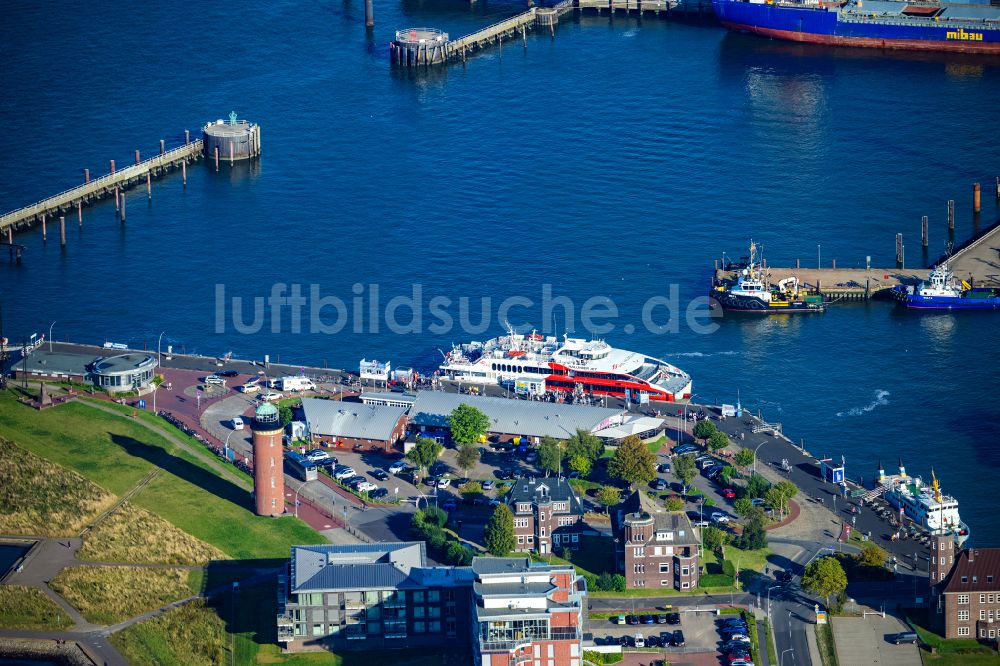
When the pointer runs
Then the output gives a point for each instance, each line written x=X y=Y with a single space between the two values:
x=949 y=652
x=109 y=595
x=29 y=608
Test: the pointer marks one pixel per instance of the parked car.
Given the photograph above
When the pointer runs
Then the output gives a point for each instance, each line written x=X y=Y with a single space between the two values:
x=443 y=482
x=227 y=373
x=379 y=493
x=270 y=396
x=734 y=636
x=661 y=619
x=618 y=619
x=729 y=493
x=343 y=472
x=365 y=487
x=624 y=641
x=700 y=523
x=714 y=472
x=659 y=484
x=739 y=623
x=678 y=638
x=532 y=457
x=742 y=662
x=687 y=448
x=215 y=380
x=503 y=474
x=756 y=501
x=738 y=655
x=631 y=619
x=449 y=505
x=249 y=388
x=647 y=619
x=397 y=467
x=663 y=468
x=237 y=423
x=653 y=641
x=318 y=456
x=461 y=482
x=719 y=517
x=639 y=641
x=379 y=474
x=673 y=618
x=783 y=576
x=906 y=637
x=354 y=480
x=488 y=484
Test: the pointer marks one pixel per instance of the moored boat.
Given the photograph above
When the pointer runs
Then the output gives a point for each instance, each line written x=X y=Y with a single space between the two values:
x=969 y=27
x=942 y=291
x=749 y=290
x=925 y=505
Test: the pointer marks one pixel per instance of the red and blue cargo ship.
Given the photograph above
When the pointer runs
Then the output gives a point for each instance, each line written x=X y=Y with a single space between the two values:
x=883 y=24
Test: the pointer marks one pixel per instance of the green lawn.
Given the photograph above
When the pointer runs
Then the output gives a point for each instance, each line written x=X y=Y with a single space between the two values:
x=827 y=648
x=949 y=652
x=30 y=608
x=108 y=595
x=116 y=453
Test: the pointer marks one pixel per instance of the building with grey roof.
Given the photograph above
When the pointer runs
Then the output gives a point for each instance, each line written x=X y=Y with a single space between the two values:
x=547 y=515
x=132 y=371
x=392 y=398
x=508 y=418
x=354 y=425
x=371 y=596
x=655 y=547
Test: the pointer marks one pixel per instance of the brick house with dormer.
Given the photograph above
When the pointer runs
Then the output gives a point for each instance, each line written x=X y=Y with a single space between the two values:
x=548 y=515
x=655 y=547
x=965 y=590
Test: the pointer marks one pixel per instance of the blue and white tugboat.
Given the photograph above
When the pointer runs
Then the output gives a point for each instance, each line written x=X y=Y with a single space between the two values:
x=749 y=291
x=942 y=291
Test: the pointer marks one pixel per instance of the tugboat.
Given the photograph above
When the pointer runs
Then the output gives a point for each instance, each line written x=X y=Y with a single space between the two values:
x=749 y=291
x=942 y=291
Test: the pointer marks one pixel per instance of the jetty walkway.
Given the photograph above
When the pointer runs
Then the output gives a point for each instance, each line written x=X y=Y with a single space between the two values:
x=104 y=186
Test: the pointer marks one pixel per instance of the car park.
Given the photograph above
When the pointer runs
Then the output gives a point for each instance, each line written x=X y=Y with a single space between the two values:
x=397 y=467
x=379 y=474
x=318 y=456
x=488 y=484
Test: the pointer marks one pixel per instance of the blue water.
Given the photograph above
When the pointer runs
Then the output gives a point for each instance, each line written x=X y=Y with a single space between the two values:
x=616 y=160
x=9 y=554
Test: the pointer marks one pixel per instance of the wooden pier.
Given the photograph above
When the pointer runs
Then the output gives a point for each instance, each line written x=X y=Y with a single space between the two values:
x=108 y=185
x=848 y=284
x=416 y=47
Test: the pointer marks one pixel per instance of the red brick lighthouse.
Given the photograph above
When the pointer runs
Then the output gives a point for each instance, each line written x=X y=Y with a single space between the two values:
x=268 y=477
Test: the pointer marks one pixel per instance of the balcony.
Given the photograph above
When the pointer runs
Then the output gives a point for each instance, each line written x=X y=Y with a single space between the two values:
x=286 y=629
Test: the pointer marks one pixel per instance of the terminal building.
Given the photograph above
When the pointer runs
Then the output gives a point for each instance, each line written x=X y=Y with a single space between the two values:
x=376 y=427
x=131 y=371
x=384 y=595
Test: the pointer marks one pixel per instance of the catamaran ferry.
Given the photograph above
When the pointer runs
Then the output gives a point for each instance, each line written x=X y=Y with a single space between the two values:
x=539 y=364
x=926 y=506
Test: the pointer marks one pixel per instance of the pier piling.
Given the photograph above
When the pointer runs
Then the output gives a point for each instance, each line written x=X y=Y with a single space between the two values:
x=798 y=264
x=369 y=14
x=184 y=173
x=951 y=214
x=149 y=185
x=62 y=230
x=975 y=198
x=86 y=176
x=163 y=146
x=45 y=231
x=79 y=212
x=231 y=154
x=923 y=231
x=137 y=158
x=998 y=187
x=123 y=208
x=10 y=236
x=117 y=200
x=187 y=137
x=834 y=264
x=112 y=167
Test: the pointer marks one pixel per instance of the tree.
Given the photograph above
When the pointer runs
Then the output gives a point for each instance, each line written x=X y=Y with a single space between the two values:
x=633 y=462
x=871 y=555
x=757 y=486
x=468 y=456
x=424 y=453
x=585 y=443
x=499 y=536
x=754 y=537
x=718 y=440
x=468 y=424
x=674 y=503
x=580 y=464
x=608 y=496
x=744 y=458
x=609 y=582
x=714 y=538
x=471 y=490
x=704 y=429
x=285 y=414
x=775 y=498
x=743 y=506
x=787 y=490
x=824 y=577
x=458 y=554
x=550 y=455
x=685 y=469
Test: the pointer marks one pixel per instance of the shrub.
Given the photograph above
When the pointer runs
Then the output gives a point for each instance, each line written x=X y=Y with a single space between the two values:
x=728 y=568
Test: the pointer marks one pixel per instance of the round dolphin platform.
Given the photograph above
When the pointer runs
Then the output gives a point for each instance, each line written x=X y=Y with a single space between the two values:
x=419 y=46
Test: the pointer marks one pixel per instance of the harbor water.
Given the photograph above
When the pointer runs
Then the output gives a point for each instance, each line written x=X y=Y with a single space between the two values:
x=617 y=159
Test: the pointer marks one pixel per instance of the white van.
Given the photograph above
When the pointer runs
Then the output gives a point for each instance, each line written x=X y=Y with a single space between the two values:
x=295 y=384
x=237 y=423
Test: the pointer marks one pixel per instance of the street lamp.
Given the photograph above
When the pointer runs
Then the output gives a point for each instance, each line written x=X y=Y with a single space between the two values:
x=159 y=360
x=50 y=336
x=693 y=396
x=756 y=449
x=769 y=599
x=781 y=660
x=297 y=496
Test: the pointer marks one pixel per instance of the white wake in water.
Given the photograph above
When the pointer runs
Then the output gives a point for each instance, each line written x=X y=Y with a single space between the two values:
x=702 y=354
x=881 y=399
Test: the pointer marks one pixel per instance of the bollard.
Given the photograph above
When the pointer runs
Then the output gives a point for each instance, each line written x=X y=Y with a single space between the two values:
x=149 y=185
x=923 y=231
x=112 y=167
x=951 y=214
x=187 y=137
x=216 y=158
x=137 y=159
x=86 y=176
x=45 y=231
x=79 y=212
x=62 y=230
x=184 y=172
x=975 y=197
x=163 y=147
x=369 y=14
x=834 y=264
x=797 y=264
